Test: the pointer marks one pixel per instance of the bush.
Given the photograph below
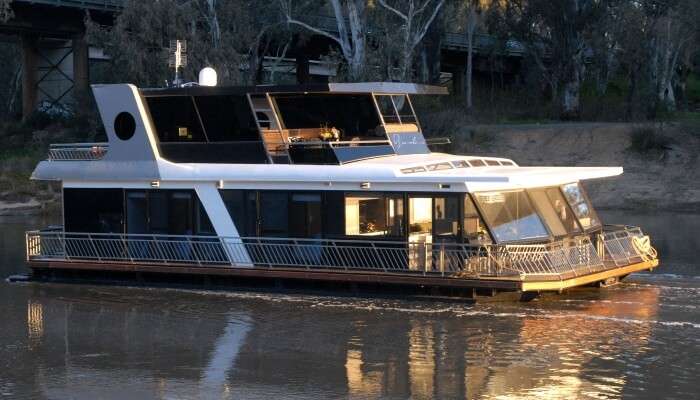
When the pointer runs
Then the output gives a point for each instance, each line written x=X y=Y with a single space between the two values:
x=649 y=140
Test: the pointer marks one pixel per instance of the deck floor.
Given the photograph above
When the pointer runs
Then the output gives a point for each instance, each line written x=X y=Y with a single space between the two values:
x=500 y=284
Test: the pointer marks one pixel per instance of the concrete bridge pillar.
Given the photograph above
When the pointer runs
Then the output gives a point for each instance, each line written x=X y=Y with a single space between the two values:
x=81 y=76
x=30 y=55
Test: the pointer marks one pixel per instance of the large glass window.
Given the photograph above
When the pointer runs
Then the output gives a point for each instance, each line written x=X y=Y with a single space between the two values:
x=446 y=216
x=420 y=217
x=353 y=115
x=373 y=215
x=581 y=206
x=555 y=211
x=274 y=214
x=227 y=118
x=176 y=119
x=166 y=212
x=550 y=211
x=93 y=210
x=511 y=216
x=305 y=215
x=475 y=231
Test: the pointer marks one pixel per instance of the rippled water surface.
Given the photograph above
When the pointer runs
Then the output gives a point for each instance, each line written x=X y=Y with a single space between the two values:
x=640 y=339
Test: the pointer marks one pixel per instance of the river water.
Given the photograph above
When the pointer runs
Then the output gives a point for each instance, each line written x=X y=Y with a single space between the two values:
x=640 y=339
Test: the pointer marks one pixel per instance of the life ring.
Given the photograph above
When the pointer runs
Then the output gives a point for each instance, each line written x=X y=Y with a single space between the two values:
x=643 y=247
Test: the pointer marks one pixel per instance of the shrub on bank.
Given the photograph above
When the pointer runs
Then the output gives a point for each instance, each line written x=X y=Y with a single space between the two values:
x=649 y=140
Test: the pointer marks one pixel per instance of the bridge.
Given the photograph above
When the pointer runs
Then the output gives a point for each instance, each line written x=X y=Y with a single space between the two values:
x=55 y=54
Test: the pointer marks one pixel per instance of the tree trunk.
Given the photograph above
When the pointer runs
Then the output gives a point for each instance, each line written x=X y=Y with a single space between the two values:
x=471 y=26
x=570 y=101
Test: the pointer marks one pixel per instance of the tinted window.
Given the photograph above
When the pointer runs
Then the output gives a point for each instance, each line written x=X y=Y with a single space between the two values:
x=305 y=215
x=175 y=119
x=93 y=210
x=227 y=118
x=353 y=115
x=166 y=212
x=511 y=216
x=274 y=217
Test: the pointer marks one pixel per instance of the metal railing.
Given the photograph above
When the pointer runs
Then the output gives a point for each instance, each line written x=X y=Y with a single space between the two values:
x=77 y=151
x=553 y=261
x=564 y=259
x=107 y=5
x=624 y=245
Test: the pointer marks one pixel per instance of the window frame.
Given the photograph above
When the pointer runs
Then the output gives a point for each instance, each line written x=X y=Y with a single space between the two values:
x=587 y=200
x=489 y=225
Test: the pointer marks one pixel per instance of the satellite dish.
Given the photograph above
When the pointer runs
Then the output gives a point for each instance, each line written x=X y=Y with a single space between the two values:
x=207 y=77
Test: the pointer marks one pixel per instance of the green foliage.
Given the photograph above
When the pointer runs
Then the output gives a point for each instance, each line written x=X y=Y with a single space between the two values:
x=693 y=88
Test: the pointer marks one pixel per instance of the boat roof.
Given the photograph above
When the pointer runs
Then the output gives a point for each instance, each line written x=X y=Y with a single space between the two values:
x=346 y=88
x=383 y=173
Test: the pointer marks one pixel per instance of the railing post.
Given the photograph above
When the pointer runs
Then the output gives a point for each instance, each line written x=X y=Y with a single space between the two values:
x=92 y=244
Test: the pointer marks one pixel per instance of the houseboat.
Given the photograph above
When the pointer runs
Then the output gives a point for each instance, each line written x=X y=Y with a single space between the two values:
x=321 y=184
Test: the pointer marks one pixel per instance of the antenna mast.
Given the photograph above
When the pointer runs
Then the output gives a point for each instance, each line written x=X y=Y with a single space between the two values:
x=177 y=58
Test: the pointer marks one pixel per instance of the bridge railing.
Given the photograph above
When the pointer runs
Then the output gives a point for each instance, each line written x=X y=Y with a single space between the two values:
x=107 y=5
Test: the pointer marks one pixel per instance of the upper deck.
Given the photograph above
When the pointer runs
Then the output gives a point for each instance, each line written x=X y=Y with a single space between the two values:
x=312 y=135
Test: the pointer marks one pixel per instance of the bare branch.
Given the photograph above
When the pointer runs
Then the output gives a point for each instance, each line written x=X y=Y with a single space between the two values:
x=392 y=9
x=286 y=10
x=417 y=39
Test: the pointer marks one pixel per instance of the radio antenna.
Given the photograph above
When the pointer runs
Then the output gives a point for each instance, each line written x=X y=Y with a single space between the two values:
x=177 y=58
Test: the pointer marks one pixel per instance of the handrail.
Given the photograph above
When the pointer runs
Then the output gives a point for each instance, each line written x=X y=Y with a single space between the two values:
x=77 y=151
x=553 y=261
x=339 y=143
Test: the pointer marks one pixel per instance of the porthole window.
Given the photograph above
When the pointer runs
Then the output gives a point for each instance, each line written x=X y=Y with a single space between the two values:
x=124 y=126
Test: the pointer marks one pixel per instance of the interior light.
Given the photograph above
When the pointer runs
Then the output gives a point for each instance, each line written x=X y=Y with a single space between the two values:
x=365 y=185
x=155 y=184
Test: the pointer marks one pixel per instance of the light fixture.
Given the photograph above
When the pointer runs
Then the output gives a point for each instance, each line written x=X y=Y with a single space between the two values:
x=444 y=186
x=365 y=185
x=155 y=184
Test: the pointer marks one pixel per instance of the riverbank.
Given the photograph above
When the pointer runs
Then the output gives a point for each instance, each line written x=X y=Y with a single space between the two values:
x=659 y=171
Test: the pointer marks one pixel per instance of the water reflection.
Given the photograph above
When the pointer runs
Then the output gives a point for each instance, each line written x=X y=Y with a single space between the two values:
x=84 y=342
x=539 y=353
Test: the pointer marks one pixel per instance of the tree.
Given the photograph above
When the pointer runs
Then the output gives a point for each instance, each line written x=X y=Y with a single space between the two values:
x=416 y=17
x=675 y=29
x=218 y=35
x=555 y=35
x=6 y=12
x=352 y=42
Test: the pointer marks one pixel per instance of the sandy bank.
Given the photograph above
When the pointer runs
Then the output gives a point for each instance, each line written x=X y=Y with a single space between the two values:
x=653 y=181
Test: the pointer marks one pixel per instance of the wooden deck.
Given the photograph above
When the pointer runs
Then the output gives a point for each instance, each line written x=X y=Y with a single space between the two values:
x=468 y=285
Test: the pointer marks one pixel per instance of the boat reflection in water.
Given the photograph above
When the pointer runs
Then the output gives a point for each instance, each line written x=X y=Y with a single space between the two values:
x=89 y=344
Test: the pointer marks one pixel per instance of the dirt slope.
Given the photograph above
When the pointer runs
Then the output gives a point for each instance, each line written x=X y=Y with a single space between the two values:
x=655 y=180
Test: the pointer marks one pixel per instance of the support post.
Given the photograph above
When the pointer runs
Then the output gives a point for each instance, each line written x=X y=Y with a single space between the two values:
x=81 y=76
x=30 y=55
x=458 y=75
x=302 y=64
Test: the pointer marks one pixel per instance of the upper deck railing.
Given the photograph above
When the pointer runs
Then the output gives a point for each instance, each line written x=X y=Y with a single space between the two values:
x=553 y=261
x=77 y=151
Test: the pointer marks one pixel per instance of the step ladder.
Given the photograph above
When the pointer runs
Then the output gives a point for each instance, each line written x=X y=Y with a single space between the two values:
x=270 y=128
